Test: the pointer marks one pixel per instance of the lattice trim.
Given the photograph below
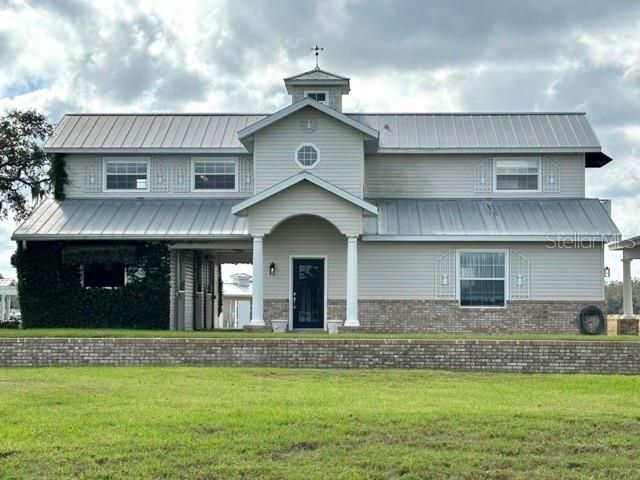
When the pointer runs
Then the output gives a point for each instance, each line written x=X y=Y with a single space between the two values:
x=483 y=176
x=519 y=276
x=550 y=176
x=445 y=275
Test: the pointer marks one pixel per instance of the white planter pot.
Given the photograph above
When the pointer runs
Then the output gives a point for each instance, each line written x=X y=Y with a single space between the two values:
x=332 y=326
x=279 y=326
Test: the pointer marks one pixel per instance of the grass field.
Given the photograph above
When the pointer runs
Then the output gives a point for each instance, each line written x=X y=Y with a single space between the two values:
x=124 y=333
x=206 y=423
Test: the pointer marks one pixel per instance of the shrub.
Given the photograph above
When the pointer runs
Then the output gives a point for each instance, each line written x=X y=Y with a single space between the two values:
x=51 y=295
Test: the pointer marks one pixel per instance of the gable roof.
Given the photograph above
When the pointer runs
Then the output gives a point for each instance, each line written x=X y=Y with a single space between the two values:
x=317 y=78
x=245 y=135
x=240 y=208
x=446 y=133
x=316 y=74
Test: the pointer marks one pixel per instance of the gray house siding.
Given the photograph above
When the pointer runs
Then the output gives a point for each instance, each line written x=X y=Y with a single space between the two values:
x=448 y=176
x=407 y=270
x=341 y=151
x=305 y=236
x=168 y=174
x=305 y=198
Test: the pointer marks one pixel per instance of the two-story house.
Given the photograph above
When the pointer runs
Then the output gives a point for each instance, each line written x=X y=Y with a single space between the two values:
x=387 y=221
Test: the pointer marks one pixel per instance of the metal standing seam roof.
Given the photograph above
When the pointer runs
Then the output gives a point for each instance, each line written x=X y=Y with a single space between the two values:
x=397 y=219
x=487 y=219
x=160 y=132
x=483 y=131
x=133 y=219
x=397 y=132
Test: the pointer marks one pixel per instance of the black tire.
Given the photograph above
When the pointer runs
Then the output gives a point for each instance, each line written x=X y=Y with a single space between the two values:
x=591 y=320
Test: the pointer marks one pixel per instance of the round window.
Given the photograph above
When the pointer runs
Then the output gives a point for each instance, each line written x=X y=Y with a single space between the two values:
x=307 y=156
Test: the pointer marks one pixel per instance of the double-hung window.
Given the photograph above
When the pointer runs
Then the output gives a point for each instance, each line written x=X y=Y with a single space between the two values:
x=318 y=96
x=517 y=174
x=214 y=174
x=126 y=175
x=482 y=278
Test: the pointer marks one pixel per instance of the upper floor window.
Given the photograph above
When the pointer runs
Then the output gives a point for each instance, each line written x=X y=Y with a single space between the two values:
x=214 y=174
x=517 y=174
x=318 y=96
x=129 y=174
x=307 y=156
x=482 y=278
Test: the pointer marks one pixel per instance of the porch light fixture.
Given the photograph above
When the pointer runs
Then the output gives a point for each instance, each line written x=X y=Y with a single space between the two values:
x=272 y=269
x=607 y=272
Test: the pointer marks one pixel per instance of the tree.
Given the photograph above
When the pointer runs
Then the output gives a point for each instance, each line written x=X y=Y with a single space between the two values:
x=24 y=166
x=613 y=296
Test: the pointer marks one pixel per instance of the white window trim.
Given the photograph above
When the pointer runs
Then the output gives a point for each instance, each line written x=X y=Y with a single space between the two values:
x=506 y=275
x=213 y=159
x=326 y=282
x=105 y=160
x=295 y=156
x=495 y=174
x=326 y=95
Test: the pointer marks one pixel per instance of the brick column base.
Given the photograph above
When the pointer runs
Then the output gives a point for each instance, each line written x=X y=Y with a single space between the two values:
x=627 y=326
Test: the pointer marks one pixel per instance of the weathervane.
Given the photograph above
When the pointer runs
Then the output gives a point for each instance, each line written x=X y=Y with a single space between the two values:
x=317 y=51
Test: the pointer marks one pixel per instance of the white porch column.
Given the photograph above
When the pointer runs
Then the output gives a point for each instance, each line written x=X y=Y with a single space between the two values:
x=352 y=282
x=258 y=282
x=627 y=297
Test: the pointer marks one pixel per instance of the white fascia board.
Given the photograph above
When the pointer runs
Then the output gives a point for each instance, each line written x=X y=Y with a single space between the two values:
x=303 y=176
x=486 y=150
x=484 y=238
x=147 y=151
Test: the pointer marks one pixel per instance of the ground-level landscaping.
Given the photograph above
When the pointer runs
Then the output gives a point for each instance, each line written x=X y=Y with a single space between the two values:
x=186 y=422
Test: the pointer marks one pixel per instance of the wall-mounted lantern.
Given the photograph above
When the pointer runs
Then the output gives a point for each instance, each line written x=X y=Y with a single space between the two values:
x=272 y=269
x=607 y=272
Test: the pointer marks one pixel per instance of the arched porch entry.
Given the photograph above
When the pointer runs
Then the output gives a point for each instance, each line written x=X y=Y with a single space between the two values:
x=293 y=221
x=305 y=280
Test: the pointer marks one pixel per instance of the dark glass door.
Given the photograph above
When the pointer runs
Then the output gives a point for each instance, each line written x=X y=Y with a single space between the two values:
x=308 y=293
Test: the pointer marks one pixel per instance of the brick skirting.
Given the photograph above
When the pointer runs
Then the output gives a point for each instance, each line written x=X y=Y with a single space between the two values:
x=483 y=355
x=446 y=316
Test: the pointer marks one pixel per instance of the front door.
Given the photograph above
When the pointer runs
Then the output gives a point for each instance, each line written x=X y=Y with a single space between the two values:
x=308 y=293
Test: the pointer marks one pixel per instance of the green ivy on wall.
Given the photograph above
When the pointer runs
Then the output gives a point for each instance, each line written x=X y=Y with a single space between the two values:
x=58 y=175
x=51 y=295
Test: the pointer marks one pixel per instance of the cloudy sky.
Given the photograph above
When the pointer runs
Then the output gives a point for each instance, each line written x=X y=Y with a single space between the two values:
x=412 y=56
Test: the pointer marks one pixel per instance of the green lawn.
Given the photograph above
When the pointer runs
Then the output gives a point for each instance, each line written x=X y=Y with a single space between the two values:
x=184 y=422
x=99 y=333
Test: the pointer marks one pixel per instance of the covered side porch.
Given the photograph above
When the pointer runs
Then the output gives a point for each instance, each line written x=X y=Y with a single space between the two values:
x=196 y=301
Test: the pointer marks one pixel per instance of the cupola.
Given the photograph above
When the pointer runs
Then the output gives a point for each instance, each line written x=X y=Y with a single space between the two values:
x=320 y=85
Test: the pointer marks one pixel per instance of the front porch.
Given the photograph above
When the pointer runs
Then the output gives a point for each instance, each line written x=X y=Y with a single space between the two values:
x=305 y=271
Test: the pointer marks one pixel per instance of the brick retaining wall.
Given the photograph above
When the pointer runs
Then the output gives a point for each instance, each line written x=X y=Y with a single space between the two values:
x=486 y=355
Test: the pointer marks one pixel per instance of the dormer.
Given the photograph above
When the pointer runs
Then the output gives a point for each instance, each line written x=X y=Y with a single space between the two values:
x=320 y=85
